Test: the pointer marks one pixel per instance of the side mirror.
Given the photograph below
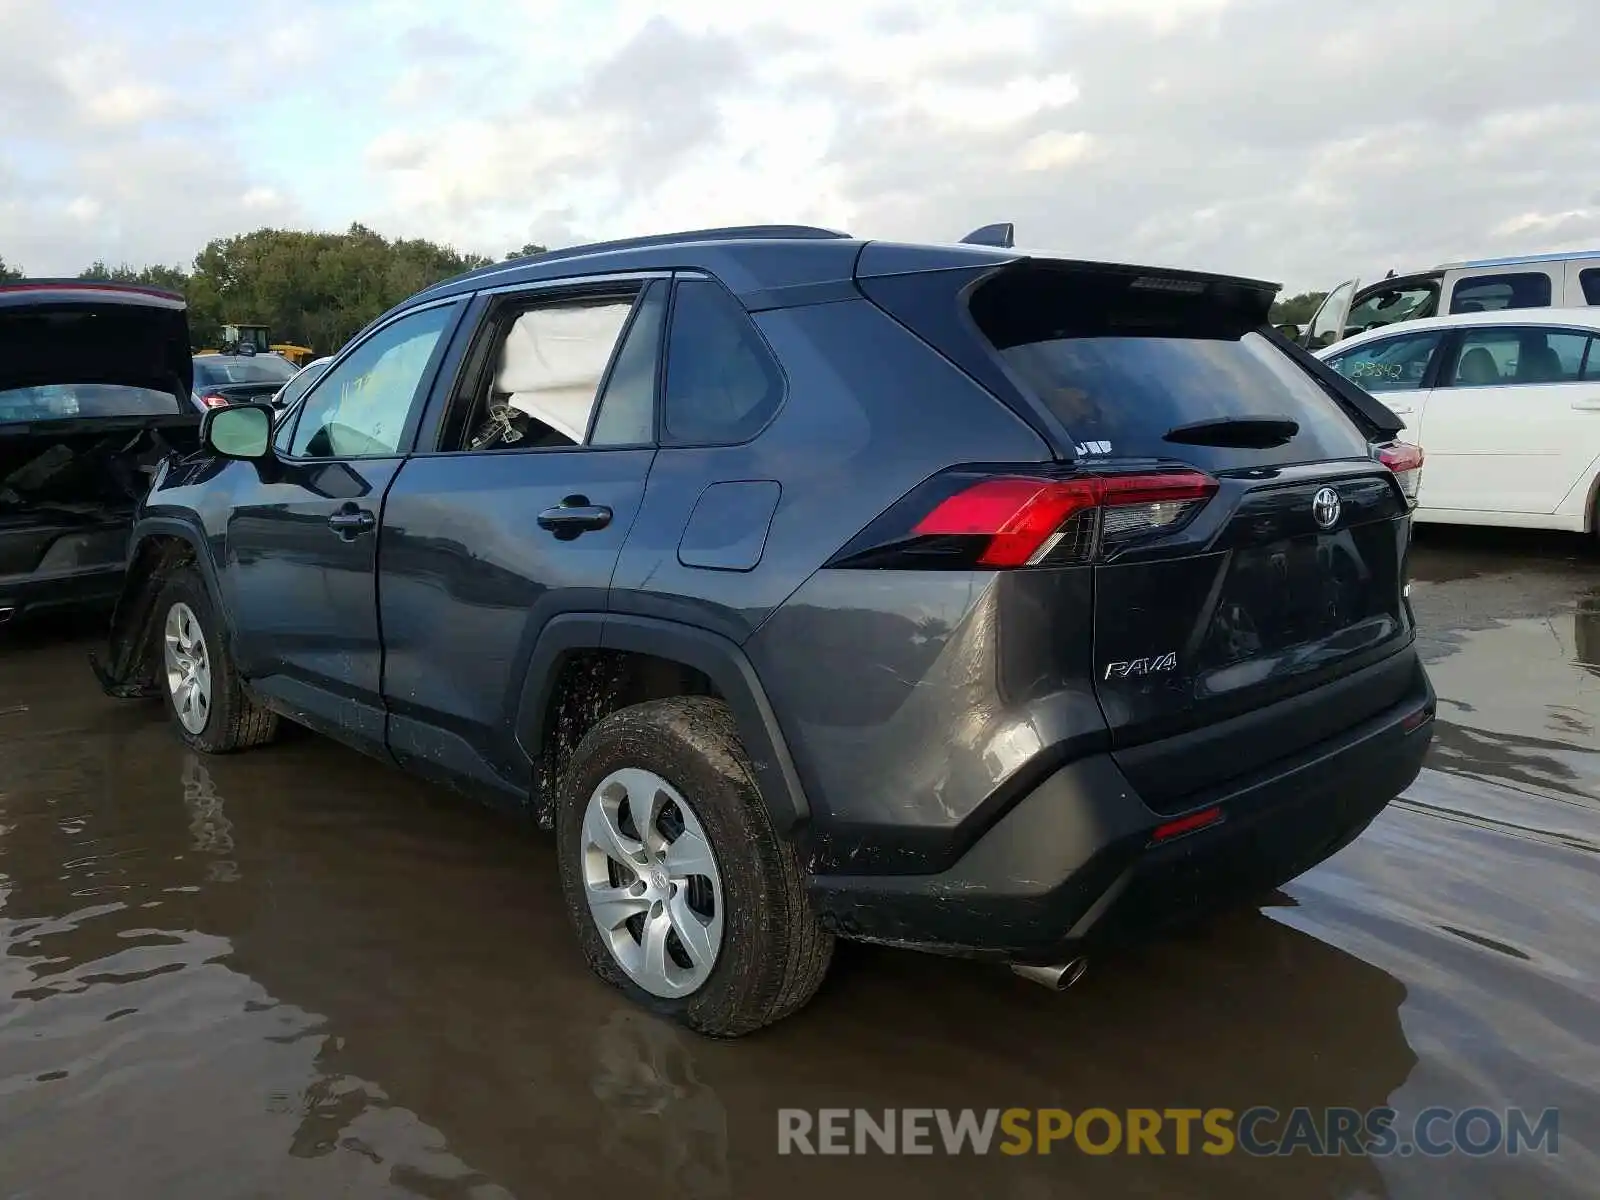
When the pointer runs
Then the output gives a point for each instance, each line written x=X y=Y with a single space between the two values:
x=239 y=431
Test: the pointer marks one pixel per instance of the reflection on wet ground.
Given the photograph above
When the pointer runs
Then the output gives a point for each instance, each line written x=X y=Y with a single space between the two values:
x=296 y=973
x=1511 y=633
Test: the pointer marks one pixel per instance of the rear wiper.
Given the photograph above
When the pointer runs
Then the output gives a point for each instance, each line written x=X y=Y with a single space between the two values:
x=1255 y=433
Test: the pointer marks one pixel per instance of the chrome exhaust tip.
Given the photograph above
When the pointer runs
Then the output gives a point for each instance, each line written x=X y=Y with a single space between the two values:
x=1058 y=977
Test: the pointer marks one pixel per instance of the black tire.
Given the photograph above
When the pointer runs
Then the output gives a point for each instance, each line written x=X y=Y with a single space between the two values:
x=236 y=721
x=774 y=954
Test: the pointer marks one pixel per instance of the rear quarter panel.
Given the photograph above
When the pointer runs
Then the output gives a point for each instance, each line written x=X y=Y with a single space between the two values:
x=869 y=413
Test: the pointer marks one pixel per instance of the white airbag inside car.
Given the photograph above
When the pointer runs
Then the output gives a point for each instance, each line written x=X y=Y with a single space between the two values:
x=553 y=361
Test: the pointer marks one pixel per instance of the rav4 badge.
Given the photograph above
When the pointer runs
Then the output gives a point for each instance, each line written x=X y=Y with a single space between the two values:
x=1153 y=665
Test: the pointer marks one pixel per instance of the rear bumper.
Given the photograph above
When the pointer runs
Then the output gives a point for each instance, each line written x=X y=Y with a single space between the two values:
x=1077 y=866
x=83 y=587
x=68 y=565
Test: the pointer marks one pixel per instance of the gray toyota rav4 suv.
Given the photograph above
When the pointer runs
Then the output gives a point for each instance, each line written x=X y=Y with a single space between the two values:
x=949 y=597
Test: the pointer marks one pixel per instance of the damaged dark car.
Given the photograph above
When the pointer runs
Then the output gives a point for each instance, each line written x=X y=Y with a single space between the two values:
x=94 y=387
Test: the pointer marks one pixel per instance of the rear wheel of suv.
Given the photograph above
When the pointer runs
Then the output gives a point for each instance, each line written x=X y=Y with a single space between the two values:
x=680 y=890
x=205 y=697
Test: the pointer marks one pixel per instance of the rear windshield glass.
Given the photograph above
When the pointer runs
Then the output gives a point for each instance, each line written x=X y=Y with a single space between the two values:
x=83 y=400
x=1120 y=368
x=218 y=372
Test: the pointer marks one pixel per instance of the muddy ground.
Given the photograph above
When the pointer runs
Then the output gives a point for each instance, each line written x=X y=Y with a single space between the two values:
x=298 y=973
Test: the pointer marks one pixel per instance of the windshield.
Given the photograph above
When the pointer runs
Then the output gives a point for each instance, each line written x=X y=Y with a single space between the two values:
x=1396 y=304
x=57 y=403
x=224 y=370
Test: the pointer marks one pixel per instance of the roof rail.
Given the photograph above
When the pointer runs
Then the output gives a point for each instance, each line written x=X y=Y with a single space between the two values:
x=1518 y=259
x=1002 y=235
x=727 y=233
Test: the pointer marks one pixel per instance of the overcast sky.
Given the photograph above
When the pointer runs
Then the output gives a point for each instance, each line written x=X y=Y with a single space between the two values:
x=1295 y=141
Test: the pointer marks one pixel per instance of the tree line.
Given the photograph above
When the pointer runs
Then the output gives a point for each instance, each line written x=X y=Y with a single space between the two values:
x=1297 y=309
x=317 y=289
x=309 y=289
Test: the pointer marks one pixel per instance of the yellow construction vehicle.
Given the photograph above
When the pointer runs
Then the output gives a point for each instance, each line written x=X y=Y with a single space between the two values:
x=253 y=339
x=298 y=355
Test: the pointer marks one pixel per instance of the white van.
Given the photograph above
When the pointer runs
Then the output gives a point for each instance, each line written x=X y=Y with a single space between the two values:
x=1566 y=280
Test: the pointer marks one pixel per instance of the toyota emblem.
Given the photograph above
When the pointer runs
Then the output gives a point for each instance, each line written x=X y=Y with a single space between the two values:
x=1325 y=508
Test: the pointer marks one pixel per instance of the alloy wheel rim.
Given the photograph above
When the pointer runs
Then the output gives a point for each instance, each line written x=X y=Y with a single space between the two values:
x=652 y=883
x=188 y=667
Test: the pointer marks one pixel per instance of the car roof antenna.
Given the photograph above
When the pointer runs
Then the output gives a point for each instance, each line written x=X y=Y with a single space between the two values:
x=992 y=235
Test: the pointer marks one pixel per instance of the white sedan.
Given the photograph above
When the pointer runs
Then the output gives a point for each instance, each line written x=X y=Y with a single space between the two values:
x=300 y=381
x=1505 y=405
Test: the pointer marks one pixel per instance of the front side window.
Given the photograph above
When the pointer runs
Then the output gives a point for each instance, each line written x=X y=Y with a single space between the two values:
x=1491 y=293
x=1326 y=324
x=722 y=383
x=360 y=407
x=1389 y=364
x=1501 y=356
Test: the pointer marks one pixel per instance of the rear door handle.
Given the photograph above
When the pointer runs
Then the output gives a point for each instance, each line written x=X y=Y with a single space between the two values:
x=573 y=516
x=1401 y=412
x=1586 y=405
x=349 y=523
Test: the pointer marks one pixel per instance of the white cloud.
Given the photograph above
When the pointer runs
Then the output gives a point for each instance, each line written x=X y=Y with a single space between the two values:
x=1538 y=224
x=1244 y=135
x=1162 y=16
x=1055 y=148
x=262 y=199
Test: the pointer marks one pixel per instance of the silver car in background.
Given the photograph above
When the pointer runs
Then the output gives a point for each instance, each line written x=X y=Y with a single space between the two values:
x=303 y=378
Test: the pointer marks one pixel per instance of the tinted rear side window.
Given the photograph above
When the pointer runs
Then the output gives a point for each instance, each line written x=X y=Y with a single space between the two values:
x=1589 y=279
x=1120 y=368
x=1489 y=293
x=722 y=383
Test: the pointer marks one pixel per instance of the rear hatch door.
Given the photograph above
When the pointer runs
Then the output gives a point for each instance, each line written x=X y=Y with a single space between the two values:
x=55 y=333
x=86 y=368
x=94 y=387
x=1263 y=618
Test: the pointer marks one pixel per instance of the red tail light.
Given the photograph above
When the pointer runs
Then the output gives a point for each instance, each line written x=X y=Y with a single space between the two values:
x=212 y=400
x=1177 y=828
x=1015 y=517
x=1003 y=520
x=1405 y=460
